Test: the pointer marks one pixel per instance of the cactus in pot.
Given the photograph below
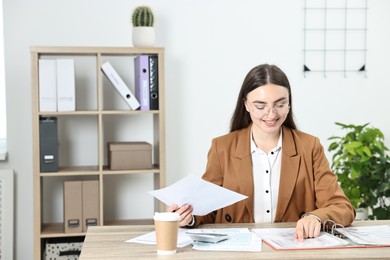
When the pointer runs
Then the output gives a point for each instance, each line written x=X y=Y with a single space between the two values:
x=143 y=30
x=142 y=16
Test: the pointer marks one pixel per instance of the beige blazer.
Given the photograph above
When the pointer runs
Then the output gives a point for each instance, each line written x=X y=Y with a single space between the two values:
x=307 y=184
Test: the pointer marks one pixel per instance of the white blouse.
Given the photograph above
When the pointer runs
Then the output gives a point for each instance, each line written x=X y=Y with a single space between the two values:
x=266 y=176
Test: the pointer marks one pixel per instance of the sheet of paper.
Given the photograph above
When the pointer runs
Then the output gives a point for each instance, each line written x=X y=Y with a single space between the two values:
x=283 y=239
x=368 y=235
x=198 y=193
x=240 y=239
x=150 y=238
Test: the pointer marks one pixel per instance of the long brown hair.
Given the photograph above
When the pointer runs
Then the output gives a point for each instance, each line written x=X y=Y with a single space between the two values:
x=259 y=76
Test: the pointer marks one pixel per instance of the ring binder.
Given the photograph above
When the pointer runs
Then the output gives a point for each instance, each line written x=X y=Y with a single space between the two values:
x=141 y=72
x=120 y=85
x=329 y=226
x=333 y=236
x=153 y=81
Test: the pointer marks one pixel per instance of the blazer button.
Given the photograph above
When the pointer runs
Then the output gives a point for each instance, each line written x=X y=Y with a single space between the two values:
x=228 y=218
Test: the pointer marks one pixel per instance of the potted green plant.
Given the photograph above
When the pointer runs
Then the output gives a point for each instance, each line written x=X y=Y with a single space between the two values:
x=143 y=27
x=363 y=167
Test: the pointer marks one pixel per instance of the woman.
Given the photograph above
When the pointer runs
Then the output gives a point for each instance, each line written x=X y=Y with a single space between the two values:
x=283 y=171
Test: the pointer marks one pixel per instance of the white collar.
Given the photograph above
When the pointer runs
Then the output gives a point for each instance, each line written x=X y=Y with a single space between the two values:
x=275 y=149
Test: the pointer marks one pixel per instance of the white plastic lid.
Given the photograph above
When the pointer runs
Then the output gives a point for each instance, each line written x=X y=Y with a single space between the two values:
x=167 y=216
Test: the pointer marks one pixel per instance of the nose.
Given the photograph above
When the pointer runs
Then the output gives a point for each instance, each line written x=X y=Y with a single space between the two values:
x=269 y=111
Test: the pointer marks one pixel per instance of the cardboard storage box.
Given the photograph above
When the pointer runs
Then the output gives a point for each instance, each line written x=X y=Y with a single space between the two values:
x=90 y=195
x=73 y=208
x=129 y=155
x=81 y=205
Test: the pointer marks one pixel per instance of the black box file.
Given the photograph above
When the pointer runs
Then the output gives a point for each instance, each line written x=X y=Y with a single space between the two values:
x=48 y=144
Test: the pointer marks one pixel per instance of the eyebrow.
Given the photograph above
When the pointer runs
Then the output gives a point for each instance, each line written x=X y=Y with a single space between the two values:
x=263 y=102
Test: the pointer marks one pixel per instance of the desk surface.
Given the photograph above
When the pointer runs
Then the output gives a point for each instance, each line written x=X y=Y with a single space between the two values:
x=107 y=242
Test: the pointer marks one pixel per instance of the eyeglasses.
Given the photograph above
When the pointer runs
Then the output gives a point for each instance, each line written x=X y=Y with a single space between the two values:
x=278 y=108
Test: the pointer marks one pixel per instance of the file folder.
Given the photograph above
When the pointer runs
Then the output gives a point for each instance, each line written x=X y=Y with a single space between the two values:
x=48 y=144
x=65 y=85
x=153 y=81
x=90 y=204
x=141 y=72
x=73 y=206
x=120 y=85
x=47 y=85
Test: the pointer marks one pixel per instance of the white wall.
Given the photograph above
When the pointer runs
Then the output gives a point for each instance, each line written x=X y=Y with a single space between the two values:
x=210 y=46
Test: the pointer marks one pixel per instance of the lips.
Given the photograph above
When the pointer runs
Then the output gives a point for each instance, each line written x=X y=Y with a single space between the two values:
x=270 y=123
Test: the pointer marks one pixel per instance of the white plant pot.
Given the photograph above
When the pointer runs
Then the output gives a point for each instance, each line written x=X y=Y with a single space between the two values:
x=143 y=37
x=361 y=214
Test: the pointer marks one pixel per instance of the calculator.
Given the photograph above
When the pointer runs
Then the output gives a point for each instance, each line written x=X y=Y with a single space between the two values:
x=207 y=237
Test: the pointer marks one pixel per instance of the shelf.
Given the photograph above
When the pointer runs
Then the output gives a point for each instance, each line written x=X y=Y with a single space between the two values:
x=73 y=113
x=75 y=50
x=107 y=171
x=101 y=116
x=56 y=230
x=93 y=170
x=125 y=112
x=103 y=112
x=72 y=171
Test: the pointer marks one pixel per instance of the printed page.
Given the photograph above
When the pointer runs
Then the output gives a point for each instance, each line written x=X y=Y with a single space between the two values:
x=283 y=239
x=239 y=239
x=368 y=235
x=197 y=192
x=150 y=238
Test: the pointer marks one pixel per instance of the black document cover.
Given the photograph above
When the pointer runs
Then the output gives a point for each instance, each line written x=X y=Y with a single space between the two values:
x=48 y=144
x=153 y=81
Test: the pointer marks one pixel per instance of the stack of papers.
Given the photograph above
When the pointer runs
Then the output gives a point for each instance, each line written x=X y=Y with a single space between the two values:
x=150 y=238
x=239 y=239
x=243 y=239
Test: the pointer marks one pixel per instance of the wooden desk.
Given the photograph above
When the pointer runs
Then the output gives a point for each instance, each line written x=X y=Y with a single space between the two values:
x=107 y=242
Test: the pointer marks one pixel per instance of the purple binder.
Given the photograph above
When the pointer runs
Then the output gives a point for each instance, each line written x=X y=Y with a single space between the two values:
x=141 y=73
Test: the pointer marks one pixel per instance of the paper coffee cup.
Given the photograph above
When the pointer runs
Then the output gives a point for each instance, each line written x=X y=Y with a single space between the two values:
x=167 y=228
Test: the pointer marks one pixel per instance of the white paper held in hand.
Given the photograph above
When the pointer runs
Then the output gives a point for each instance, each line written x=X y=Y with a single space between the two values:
x=197 y=192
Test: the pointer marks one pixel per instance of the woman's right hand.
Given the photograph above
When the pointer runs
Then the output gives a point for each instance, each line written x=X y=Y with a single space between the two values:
x=185 y=213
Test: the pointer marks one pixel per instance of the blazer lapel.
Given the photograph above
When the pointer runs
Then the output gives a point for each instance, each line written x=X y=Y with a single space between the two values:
x=288 y=173
x=244 y=168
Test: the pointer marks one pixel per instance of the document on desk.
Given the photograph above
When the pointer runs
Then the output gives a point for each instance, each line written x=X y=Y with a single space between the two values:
x=239 y=239
x=197 y=192
x=378 y=235
x=283 y=239
x=150 y=238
